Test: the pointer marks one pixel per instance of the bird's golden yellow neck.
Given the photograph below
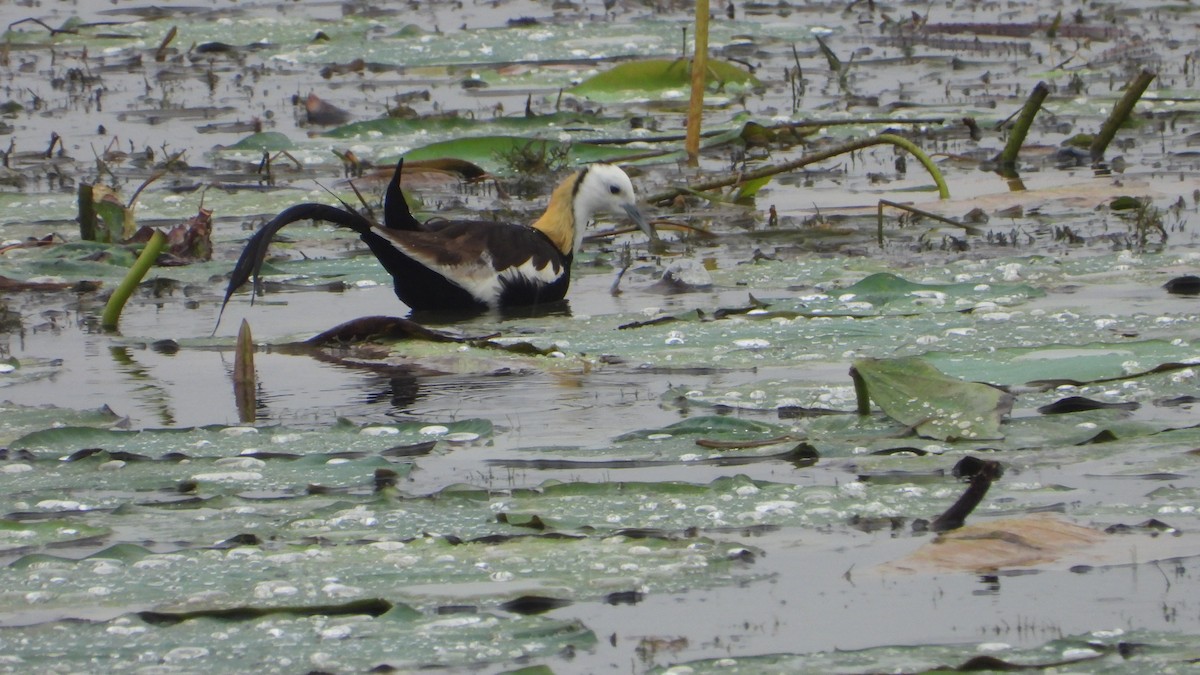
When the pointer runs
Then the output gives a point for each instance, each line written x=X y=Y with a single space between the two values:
x=558 y=222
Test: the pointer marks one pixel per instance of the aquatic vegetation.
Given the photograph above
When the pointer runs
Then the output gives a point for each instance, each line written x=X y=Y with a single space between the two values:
x=671 y=469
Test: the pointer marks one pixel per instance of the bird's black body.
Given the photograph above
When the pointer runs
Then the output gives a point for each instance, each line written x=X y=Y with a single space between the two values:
x=465 y=264
x=423 y=287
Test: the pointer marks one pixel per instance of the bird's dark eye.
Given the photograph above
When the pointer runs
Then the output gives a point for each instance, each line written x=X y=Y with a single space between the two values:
x=614 y=189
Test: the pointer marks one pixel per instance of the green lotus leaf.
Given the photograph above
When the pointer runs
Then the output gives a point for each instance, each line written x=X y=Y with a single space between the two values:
x=656 y=75
x=914 y=393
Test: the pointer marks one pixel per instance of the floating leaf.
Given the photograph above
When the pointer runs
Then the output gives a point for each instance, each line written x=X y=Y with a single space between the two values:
x=657 y=75
x=488 y=151
x=884 y=287
x=452 y=124
x=21 y=536
x=709 y=425
x=1030 y=541
x=914 y=393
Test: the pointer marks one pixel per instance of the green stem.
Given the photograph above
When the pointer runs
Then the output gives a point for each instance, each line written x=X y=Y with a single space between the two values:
x=813 y=158
x=1120 y=112
x=1008 y=157
x=934 y=172
x=116 y=302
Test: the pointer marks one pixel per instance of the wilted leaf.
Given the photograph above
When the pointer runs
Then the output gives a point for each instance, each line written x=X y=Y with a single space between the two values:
x=118 y=223
x=1030 y=541
x=914 y=393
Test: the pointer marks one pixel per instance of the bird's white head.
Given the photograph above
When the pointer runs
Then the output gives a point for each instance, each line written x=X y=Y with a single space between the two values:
x=598 y=188
x=605 y=188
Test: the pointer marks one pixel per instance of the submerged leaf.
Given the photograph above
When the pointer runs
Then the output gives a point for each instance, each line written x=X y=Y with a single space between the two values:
x=914 y=393
x=270 y=141
x=884 y=287
x=370 y=607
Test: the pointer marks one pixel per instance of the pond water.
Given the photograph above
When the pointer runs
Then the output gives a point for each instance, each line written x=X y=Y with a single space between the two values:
x=670 y=480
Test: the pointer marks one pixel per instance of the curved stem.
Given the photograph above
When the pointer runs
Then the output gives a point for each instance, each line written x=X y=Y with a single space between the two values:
x=812 y=158
x=861 y=395
x=116 y=302
x=934 y=172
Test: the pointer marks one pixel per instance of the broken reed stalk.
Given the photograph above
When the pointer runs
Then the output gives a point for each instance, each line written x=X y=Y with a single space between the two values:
x=1120 y=112
x=116 y=302
x=243 y=374
x=1008 y=156
x=860 y=392
x=89 y=223
x=699 y=75
x=970 y=229
x=813 y=158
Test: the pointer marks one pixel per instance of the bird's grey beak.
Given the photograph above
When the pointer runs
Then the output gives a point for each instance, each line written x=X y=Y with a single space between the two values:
x=635 y=214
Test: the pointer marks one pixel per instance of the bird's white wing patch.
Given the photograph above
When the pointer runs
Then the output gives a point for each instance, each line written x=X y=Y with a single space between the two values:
x=480 y=279
x=485 y=283
x=476 y=275
x=545 y=274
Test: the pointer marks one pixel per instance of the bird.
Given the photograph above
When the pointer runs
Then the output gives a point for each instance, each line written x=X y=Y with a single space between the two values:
x=467 y=265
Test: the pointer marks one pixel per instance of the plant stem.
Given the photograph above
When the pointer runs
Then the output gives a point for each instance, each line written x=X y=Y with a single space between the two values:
x=970 y=229
x=699 y=76
x=88 y=221
x=1120 y=112
x=860 y=392
x=116 y=302
x=813 y=158
x=244 y=375
x=1008 y=157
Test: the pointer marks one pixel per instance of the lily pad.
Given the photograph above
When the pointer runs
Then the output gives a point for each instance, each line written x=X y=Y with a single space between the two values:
x=659 y=75
x=489 y=151
x=914 y=393
x=269 y=141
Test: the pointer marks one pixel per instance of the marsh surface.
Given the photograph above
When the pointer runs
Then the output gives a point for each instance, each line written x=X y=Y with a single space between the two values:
x=616 y=474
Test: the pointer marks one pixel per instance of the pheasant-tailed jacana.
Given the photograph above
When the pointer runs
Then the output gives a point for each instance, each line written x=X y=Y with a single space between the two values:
x=468 y=264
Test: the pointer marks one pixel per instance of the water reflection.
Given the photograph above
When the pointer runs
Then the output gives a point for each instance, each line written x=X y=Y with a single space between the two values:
x=152 y=395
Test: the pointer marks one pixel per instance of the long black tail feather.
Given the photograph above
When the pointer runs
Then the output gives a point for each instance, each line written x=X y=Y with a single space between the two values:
x=396 y=214
x=250 y=263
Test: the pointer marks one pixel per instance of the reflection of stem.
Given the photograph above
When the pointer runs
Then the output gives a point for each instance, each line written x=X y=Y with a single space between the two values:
x=980 y=474
x=116 y=302
x=970 y=229
x=1120 y=112
x=148 y=391
x=1008 y=157
x=813 y=158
